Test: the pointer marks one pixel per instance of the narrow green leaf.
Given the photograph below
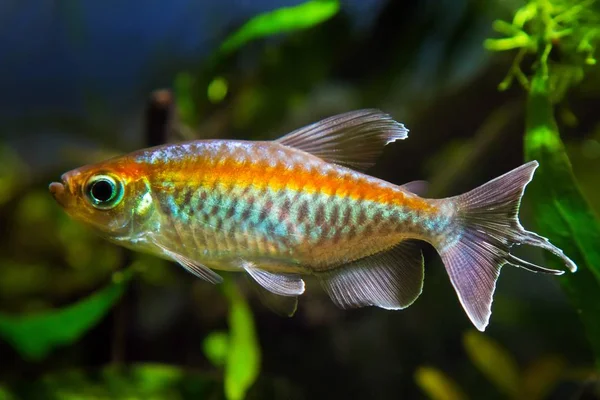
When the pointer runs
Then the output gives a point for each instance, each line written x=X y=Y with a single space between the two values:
x=525 y=14
x=493 y=361
x=282 y=20
x=562 y=213
x=437 y=385
x=243 y=358
x=504 y=44
x=34 y=336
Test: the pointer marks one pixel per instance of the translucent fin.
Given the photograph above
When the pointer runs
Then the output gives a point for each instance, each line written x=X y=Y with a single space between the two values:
x=354 y=139
x=417 y=187
x=487 y=227
x=193 y=267
x=392 y=279
x=284 y=306
x=277 y=283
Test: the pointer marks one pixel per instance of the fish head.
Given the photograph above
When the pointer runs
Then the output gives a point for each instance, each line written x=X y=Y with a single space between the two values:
x=113 y=196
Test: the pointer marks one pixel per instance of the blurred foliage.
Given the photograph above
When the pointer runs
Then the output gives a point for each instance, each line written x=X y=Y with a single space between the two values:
x=562 y=213
x=541 y=376
x=567 y=220
x=135 y=382
x=540 y=25
x=184 y=95
x=238 y=350
x=217 y=90
x=193 y=89
x=5 y=394
x=13 y=174
x=287 y=19
x=216 y=348
x=437 y=385
x=243 y=351
x=41 y=235
x=36 y=335
x=535 y=382
x=496 y=363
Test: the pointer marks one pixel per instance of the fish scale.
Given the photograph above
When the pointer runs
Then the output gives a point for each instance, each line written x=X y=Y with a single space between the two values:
x=310 y=219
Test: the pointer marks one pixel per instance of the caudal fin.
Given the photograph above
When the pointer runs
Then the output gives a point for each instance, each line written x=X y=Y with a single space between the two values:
x=486 y=227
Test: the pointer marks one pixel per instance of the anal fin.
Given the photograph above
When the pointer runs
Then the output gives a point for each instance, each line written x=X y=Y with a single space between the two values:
x=392 y=279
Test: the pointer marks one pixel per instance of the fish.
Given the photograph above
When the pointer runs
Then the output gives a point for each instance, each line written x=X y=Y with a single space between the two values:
x=303 y=205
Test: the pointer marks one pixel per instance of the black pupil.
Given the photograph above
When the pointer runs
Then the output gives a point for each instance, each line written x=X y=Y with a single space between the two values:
x=102 y=190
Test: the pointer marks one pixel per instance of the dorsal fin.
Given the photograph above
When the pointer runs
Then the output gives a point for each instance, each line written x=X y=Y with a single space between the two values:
x=354 y=139
x=417 y=187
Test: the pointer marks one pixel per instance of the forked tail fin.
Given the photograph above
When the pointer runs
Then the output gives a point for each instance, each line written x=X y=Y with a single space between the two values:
x=486 y=227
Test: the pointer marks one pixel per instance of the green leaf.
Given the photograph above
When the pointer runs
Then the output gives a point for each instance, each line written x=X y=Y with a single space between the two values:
x=493 y=361
x=282 y=20
x=437 y=385
x=216 y=348
x=139 y=381
x=243 y=358
x=561 y=212
x=34 y=336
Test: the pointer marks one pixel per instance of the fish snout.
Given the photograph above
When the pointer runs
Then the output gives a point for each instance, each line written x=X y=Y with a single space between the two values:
x=59 y=190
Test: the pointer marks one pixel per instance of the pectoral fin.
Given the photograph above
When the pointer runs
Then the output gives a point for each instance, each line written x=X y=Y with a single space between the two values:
x=392 y=279
x=354 y=139
x=194 y=267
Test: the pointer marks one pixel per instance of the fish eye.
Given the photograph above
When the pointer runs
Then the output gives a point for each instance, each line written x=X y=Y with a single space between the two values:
x=104 y=191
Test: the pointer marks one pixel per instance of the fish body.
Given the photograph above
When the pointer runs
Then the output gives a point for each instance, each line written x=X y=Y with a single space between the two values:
x=260 y=201
x=300 y=205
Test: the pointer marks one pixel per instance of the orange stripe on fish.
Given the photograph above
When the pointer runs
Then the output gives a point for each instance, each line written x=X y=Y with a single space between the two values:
x=262 y=174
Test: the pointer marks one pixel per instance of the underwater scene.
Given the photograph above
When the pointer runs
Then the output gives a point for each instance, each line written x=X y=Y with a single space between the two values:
x=300 y=199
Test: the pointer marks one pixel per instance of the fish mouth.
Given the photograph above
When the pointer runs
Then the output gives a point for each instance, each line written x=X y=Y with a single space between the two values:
x=58 y=190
